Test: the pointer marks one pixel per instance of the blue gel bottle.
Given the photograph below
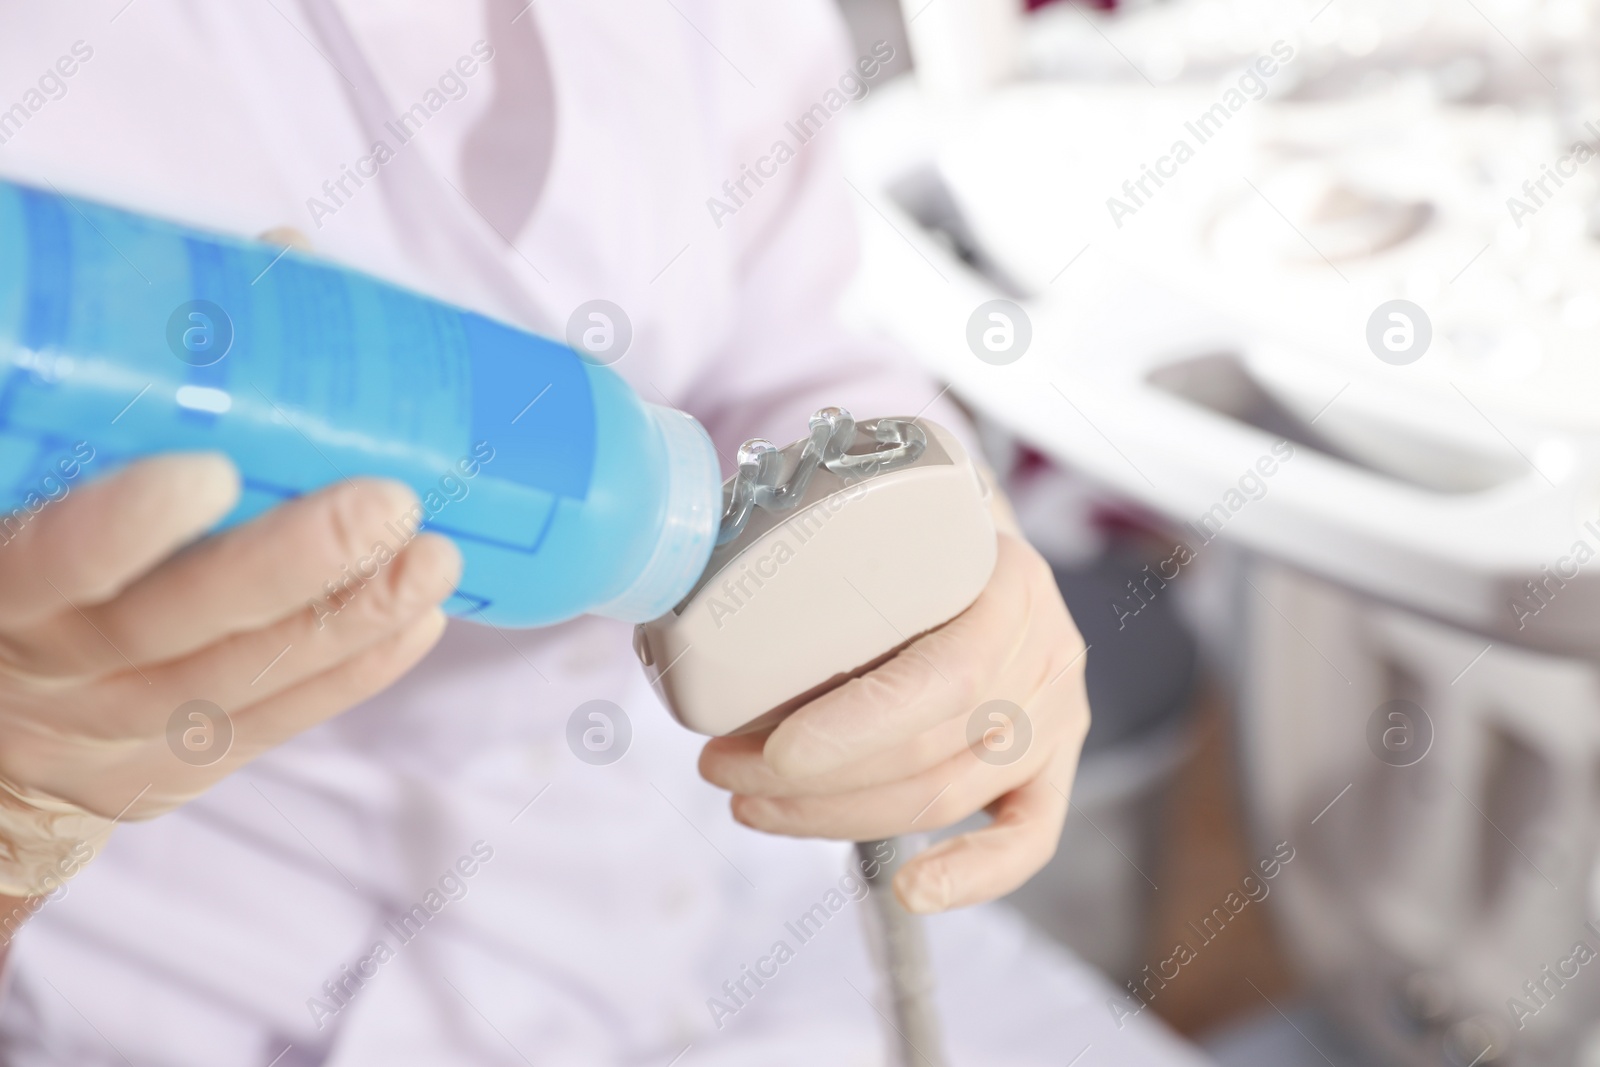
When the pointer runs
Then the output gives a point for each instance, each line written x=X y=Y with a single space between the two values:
x=123 y=335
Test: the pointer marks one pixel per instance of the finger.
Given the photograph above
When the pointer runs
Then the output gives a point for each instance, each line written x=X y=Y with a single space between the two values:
x=89 y=544
x=275 y=721
x=738 y=765
x=298 y=709
x=1060 y=712
x=936 y=677
x=243 y=579
x=990 y=862
x=936 y=798
x=249 y=668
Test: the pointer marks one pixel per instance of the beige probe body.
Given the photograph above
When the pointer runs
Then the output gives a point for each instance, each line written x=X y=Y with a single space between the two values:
x=886 y=534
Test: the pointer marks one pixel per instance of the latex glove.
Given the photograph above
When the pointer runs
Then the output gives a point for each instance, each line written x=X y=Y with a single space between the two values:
x=890 y=752
x=111 y=620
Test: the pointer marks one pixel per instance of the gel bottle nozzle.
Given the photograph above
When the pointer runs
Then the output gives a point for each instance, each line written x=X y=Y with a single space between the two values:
x=123 y=335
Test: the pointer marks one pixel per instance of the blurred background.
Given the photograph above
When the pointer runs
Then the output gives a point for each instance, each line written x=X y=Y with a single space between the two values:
x=1279 y=319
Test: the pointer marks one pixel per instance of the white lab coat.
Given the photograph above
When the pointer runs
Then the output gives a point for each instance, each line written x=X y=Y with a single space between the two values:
x=615 y=900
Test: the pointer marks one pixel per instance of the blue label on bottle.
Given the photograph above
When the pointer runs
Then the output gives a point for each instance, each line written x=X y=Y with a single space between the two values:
x=44 y=323
x=531 y=401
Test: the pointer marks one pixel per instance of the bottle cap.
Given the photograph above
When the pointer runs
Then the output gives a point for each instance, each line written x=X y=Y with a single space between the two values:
x=689 y=528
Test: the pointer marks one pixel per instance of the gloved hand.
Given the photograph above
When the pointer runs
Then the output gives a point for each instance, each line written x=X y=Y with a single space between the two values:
x=916 y=745
x=109 y=624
